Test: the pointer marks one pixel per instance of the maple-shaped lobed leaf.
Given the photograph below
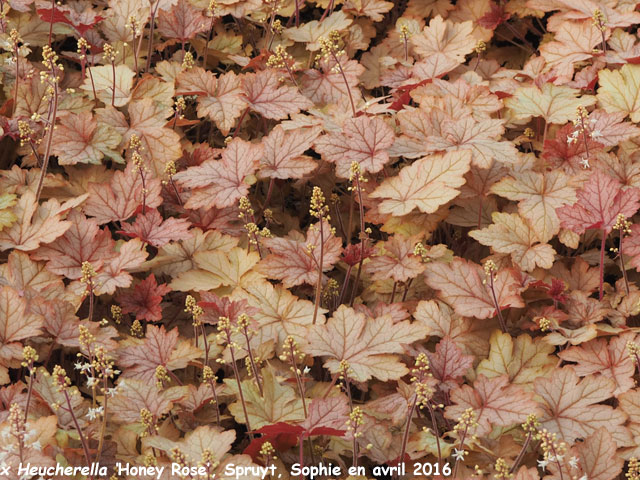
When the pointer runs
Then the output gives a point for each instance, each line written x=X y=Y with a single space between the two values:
x=449 y=363
x=284 y=153
x=291 y=261
x=510 y=233
x=573 y=409
x=496 y=401
x=159 y=348
x=152 y=229
x=396 y=259
x=600 y=200
x=426 y=184
x=618 y=90
x=120 y=198
x=182 y=21
x=80 y=21
x=462 y=285
x=144 y=301
x=363 y=140
x=368 y=345
x=221 y=183
x=554 y=103
x=79 y=139
x=266 y=95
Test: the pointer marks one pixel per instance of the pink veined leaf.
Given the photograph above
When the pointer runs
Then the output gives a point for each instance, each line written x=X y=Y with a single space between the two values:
x=449 y=363
x=80 y=21
x=122 y=196
x=284 y=153
x=363 y=139
x=221 y=183
x=461 y=285
x=495 y=401
x=291 y=261
x=83 y=242
x=599 y=202
x=183 y=21
x=266 y=95
x=152 y=229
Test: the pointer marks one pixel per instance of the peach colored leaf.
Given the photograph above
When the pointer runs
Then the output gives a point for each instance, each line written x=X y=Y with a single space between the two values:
x=133 y=395
x=291 y=261
x=609 y=129
x=115 y=272
x=427 y=184
x=618 y=90
x=161 y=144
x=481 y=137
x=495 y=401
x=79 y=139
x=141 y=357
x=510 y=233
x=610 y=359
x=37 y=223
x=363 y=139
x=284 y=153
x=598 y=204
x=331 y=412
x=448 y=364
x=102 y=78
x=554 y=103
x=311 y=32
x=461 y=284
x=441 y=321
x=7 y=200
x=120 y=198
x=572 y=407
x=16 y=322
x=523 y=359
x=219 y=98
x=538 y=196
x=598 y=456
x=152 y=229
x=213 y=268
x=83 y=242
x=374 y=9
x=221 y=183
x=395 y=259
x=444 y=37
x=29 y=278
x=214 y=442
x=280 y=313
x=326 y=84
x=278 y=403
x=178 y=257
x=573 y=42
x=183 y=21
x=368 y=345
x=266 y=95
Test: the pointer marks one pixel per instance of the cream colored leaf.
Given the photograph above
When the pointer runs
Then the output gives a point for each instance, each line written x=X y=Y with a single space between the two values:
x=620 y=90
x=427 y=184
x=102 y=78
x=554 y=103
x=509 y=233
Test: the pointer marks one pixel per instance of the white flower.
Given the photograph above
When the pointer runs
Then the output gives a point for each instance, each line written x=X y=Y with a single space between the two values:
x=573 y=462
x=91 y=382
x=585 y=163
x=596 y=134
x=543 y=463
x=306 y=370
x=112 y=391
x=458 y=454
x=93 y=413
x=559 y=458
x=36 y=445
x=583 y=477
x=78 y=366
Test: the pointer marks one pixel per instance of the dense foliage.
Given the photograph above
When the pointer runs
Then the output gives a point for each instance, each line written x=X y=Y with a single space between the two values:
x=346 y=232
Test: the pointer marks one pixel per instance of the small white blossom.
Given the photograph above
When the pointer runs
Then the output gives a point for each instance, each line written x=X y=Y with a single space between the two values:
x=585 y=163
x=573 y=462
x=458 y=454
x=543 y=463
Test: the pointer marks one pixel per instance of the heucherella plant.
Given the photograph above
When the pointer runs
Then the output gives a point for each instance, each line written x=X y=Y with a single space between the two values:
x=344 y=239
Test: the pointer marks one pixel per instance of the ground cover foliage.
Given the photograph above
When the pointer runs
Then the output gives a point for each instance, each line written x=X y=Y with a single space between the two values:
x=344 y=231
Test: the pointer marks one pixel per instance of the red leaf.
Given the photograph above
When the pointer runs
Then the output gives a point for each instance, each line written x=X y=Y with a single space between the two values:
x=145 y=299
x=81 y=22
